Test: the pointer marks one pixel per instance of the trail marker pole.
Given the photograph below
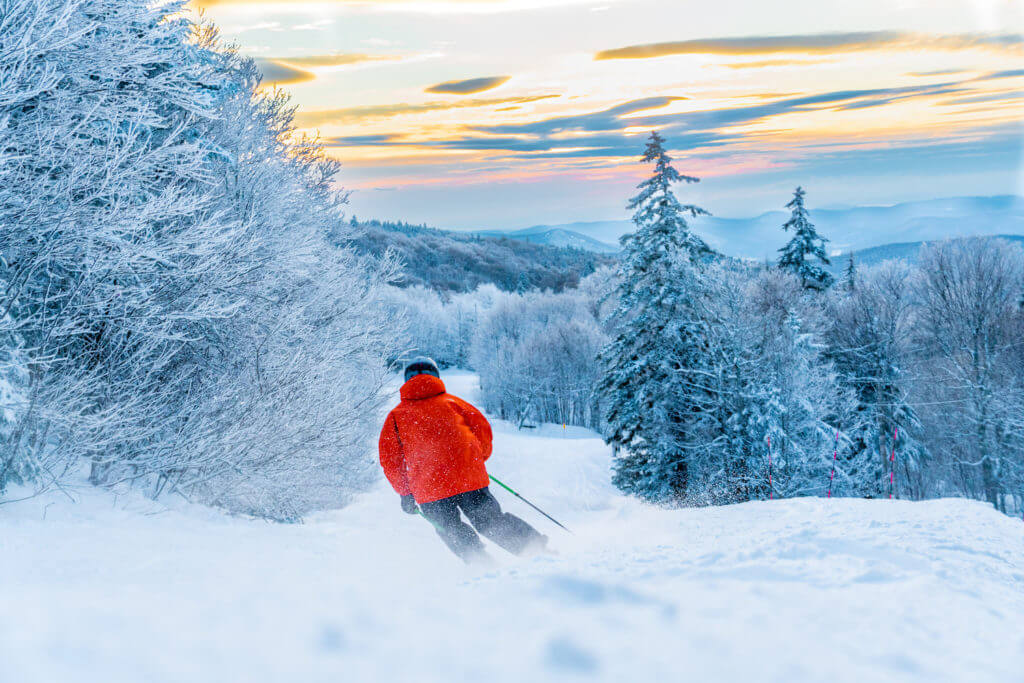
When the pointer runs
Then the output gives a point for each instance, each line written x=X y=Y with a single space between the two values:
x=892 y=462
x=835 y=454
x=771 y=492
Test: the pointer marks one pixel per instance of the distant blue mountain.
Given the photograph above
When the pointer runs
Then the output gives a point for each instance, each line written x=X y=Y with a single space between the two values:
x=907 y=251
x=847 y=228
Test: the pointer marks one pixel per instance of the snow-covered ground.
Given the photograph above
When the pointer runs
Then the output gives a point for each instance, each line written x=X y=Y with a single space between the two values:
x=124 y=589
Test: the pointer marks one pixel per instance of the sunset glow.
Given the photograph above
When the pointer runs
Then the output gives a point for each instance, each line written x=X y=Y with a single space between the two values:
x=456 y=112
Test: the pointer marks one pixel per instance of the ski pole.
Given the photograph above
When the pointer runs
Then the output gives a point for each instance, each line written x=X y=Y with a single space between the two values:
x=507 y=488
x=420 y=513
x=835 y=454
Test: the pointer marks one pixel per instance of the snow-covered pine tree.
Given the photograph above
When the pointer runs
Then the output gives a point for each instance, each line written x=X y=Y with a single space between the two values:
x=644 y=390
x=806 y=245
x=850 y=277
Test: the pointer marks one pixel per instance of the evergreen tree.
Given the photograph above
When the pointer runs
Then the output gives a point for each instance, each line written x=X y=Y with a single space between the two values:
x=850 y=278
x=799 y=254
x=644 y=388
x=522 y=283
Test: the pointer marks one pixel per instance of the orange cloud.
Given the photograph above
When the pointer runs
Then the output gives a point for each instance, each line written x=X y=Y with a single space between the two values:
x=202 y=4
x=309 y=119
x=342 y=59
x=764 y=63
x=469 y=86
x=819 y=43
x=276 y=73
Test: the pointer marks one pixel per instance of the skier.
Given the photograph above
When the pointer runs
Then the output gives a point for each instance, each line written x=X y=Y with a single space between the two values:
x=432 y=447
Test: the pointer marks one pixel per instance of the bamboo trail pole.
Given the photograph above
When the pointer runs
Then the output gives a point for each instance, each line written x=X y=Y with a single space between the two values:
x=892 y=463
x=835 y=454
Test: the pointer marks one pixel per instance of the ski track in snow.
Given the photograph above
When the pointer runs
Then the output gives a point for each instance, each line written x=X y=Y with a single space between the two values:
x=809 y=589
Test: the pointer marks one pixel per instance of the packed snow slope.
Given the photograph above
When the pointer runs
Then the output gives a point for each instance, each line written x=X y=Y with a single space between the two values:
x=119 y=589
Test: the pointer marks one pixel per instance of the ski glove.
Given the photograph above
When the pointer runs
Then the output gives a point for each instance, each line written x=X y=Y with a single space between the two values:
x=409 y=505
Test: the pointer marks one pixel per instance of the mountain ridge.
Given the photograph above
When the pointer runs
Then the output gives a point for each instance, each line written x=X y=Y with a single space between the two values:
x=848 y=229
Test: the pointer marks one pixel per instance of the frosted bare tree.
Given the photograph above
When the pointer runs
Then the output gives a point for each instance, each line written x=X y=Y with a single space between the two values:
x=971 y=324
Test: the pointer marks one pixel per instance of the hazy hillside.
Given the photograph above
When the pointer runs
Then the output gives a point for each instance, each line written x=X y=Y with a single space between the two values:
x=848 y=228
x=555 y=237
x=908 y=251
x=455 y=262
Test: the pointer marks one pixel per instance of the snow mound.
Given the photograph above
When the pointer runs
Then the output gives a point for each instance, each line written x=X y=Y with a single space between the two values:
x=130 y=590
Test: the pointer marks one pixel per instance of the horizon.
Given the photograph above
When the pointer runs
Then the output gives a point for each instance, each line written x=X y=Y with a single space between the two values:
x=504 y=114
x=830 y=207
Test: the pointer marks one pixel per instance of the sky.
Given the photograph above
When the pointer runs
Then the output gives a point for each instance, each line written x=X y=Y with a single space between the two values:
x=472 y=114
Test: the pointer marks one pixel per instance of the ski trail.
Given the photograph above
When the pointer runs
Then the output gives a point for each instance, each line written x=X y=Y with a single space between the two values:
x=794 y=590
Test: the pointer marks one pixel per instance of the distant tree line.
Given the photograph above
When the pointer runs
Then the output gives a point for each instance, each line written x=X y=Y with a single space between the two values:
x=451 y=262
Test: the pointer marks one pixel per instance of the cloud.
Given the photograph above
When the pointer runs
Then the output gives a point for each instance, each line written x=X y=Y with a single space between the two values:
x=988 y=97
x=418 y=6
x=762 y=63
x=468 y=87
x=603 y=133
x=816 y=43
x=210 y=3
x=309 y=119
x=342 y=59
x=275 y=73
x=286 y=70
x=1010 y=73
x=938 y=72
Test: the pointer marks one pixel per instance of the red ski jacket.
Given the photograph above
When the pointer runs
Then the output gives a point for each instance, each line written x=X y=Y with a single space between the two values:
x=433 y=445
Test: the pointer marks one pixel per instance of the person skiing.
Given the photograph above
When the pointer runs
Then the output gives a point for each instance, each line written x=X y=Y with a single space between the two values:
x=432 y=448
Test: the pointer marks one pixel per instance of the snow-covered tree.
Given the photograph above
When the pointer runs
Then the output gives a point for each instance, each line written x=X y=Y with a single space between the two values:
x=800 y=254
x=772 y=386
x=970 y=331
x=535 y=353
x=17 y=461
x=869 y=339
x=850 y=276
x=183 y=320
x=647 y=368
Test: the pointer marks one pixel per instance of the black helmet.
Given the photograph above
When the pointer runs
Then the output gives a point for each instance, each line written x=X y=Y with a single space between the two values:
x=421 y=366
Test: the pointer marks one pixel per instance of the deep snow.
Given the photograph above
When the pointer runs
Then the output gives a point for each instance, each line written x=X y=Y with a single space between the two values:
x=124 y=589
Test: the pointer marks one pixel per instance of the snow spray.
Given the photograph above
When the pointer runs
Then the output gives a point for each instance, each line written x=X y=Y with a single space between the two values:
x=835 y=454
x=892 y=462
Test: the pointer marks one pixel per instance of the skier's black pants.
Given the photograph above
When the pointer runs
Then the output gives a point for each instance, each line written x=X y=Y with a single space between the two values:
x=484 y=513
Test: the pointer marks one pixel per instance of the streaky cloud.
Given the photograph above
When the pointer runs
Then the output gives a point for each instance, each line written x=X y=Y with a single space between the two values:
x=276 y=73
x=343 y=59
x=814 y=43
x=469 y=86
x=603 y=133
x=306 y=119
x=770 y=63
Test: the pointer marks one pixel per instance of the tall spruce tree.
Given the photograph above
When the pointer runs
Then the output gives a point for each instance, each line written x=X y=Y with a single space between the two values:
x=644 y=385
x=798 y=256
x=850 y=278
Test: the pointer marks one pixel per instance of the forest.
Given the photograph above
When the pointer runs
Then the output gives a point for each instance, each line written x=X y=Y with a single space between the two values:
x=186 y=306
x=448 y=261
x=721 y=381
